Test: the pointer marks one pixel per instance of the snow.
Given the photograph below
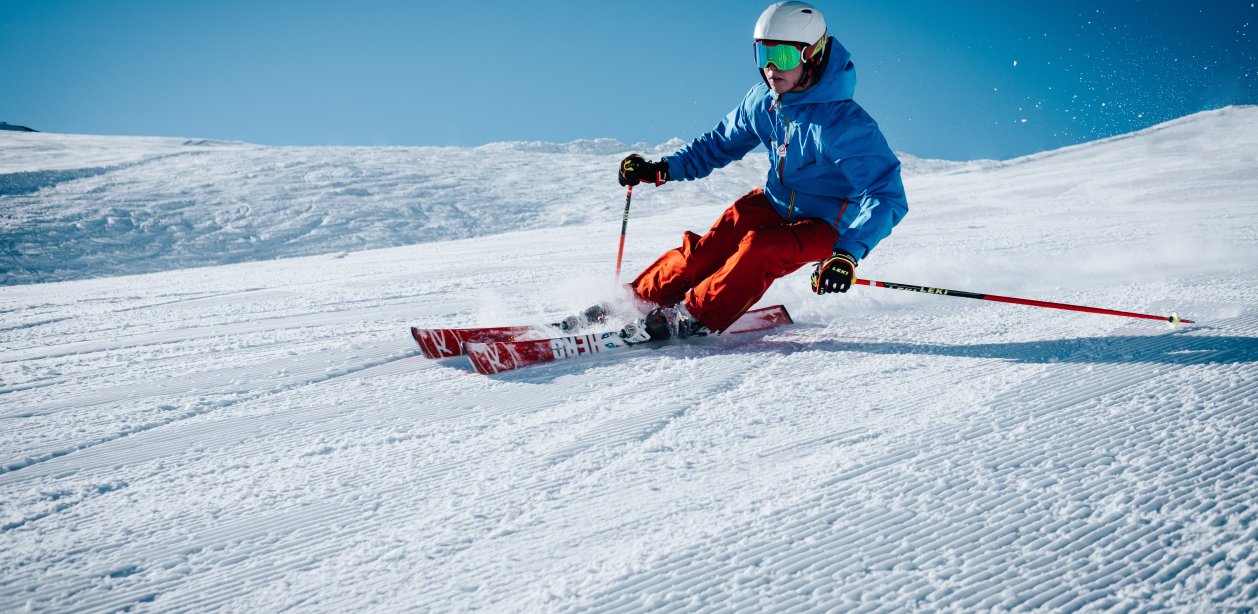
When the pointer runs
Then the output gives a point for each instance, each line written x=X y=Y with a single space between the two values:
x=244 y=423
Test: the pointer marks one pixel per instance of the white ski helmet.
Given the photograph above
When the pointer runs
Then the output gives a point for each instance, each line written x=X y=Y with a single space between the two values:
x=794 y=22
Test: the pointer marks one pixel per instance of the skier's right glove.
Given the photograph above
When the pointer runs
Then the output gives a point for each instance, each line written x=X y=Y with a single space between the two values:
x=635 y=169
x=834 y=274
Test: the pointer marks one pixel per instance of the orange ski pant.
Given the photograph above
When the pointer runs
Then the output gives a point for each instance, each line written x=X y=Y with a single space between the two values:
x=723 y=273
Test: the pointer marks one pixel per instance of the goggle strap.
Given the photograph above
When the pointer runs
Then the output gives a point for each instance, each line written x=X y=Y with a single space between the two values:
x=820 y=45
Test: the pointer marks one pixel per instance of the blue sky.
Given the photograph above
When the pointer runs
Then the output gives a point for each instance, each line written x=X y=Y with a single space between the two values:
x=984 y=79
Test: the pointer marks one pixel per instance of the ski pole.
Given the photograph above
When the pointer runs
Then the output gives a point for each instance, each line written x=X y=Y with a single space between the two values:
x=624 y=225
x=1173 y=318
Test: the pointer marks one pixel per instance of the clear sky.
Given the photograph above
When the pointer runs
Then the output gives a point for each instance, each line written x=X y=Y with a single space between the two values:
x=957 y=80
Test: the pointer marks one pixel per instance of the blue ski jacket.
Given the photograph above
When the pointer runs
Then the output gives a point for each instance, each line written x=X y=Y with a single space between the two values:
x=827 y=158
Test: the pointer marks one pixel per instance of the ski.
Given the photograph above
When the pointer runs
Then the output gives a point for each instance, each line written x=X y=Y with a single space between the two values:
x=448 y=342
x=489 y=356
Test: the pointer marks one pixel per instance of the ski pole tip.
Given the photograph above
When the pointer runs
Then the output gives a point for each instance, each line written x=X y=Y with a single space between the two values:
x=1175 y=320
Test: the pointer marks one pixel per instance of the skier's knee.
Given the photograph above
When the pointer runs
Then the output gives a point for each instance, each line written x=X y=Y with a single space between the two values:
x=759 y=242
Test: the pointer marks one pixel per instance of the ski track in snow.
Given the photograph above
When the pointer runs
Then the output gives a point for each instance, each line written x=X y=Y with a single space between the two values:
x=265 y=436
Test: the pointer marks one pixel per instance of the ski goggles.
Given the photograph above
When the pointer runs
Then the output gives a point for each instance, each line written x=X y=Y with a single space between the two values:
x=783 y=56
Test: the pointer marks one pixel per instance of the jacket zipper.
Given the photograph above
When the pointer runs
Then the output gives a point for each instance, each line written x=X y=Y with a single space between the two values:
x=786 y=147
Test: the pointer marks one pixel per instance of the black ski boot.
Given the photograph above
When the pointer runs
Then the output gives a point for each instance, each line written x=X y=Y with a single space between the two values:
x=663 y=323
x=597 y=314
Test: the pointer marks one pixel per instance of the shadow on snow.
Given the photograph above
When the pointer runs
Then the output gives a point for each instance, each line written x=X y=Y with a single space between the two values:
x=1171 y=349
x=1177 y=349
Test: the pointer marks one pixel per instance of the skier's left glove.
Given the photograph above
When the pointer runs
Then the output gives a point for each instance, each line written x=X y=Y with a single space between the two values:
x=834 y=274
x=635 y=169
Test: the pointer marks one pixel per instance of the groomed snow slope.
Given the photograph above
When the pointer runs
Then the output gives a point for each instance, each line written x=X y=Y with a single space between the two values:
x=263 y=435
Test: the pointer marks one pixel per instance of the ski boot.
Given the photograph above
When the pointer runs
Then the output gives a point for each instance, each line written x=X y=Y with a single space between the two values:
x=663 y=323
x=597 y=314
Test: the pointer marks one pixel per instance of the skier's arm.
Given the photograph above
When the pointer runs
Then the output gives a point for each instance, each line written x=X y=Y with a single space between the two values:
x=882 y=202
x=732 y=138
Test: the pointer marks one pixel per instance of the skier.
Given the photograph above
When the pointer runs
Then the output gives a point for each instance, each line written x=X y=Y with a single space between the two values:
x=833 y=190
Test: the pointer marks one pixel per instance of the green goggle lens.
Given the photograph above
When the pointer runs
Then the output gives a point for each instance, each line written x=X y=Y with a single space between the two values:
x=782 y=57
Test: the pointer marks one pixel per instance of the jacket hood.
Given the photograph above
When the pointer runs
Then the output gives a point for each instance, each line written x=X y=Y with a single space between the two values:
x=837 y=82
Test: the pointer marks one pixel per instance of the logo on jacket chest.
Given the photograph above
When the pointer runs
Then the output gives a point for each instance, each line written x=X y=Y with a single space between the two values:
x=797 y=136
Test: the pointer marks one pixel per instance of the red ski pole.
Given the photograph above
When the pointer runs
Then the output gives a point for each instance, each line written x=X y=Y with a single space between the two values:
x=1173 y=318
x=624 y=225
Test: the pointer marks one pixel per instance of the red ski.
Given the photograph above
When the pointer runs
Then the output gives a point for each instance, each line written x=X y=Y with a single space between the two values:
x=489 y=357
x=447 y=342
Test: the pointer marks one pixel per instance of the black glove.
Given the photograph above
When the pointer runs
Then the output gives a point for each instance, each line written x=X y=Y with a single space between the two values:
x=834 y=274
x=635 y=169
